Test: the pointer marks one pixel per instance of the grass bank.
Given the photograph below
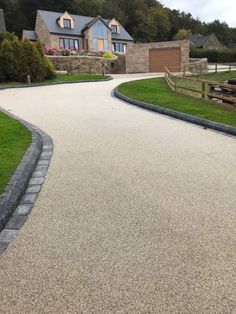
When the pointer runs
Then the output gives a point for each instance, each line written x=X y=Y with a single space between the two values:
x=61 y=79
x=14 y=141
x=155 y=91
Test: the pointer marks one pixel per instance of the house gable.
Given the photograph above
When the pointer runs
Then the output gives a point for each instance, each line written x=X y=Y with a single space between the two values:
x=114 y=23
x=66 y=17
x=2 y=21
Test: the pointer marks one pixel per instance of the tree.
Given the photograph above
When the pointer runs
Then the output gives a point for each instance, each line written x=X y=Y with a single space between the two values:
x=182 y=34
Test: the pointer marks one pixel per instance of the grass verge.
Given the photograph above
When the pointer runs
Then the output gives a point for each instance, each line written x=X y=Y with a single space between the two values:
x=61 y=79
x=14 y=141
x=155 y=91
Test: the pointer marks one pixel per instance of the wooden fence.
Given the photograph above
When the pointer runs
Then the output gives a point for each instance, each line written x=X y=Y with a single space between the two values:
x=205 y=89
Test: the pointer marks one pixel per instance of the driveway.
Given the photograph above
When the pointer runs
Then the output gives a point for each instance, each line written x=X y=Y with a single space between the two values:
x=137 y=214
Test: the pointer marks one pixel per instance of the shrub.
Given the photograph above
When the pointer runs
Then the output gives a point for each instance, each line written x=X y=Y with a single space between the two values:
x=223 y=55
x=6 y=35
x=108 y=55
x=20 y=59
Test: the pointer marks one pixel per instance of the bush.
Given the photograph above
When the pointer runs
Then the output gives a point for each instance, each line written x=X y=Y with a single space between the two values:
x=223 y=55
x=6 y=35
x=20 y=59
x=108 y=55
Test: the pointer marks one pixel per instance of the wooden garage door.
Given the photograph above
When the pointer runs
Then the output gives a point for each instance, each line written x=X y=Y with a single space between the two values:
x=165 y=57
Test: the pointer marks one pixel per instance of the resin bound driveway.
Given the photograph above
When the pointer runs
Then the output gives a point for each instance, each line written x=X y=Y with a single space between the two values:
x=137 y=213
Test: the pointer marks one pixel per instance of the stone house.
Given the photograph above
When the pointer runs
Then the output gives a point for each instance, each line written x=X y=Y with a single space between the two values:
x=205 y=42
x=2 y=21
x=79 y=32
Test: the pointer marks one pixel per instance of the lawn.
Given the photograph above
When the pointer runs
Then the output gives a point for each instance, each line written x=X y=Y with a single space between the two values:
x=14 y=141
x=155 y=91
x=193 y=83
x=62 y=78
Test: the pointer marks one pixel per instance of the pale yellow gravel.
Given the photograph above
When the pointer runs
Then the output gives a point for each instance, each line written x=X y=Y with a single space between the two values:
x=137 y=214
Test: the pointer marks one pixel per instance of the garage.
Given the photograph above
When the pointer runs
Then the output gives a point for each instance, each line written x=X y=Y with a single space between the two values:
x=161 y=58
x=154 y=57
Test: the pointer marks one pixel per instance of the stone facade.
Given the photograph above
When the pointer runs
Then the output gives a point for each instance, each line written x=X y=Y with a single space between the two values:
x=89 y=65
x=137 y=55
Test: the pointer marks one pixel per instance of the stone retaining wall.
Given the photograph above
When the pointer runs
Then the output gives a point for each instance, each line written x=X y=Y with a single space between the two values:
x=198 y=65
x=89 y=65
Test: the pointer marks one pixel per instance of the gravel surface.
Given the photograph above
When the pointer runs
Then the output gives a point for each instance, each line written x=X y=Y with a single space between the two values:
x=137 y=213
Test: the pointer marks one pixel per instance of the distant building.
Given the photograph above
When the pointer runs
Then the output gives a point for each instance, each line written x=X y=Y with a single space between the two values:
x=205 y=42
x=232 y=46
x=2 y=21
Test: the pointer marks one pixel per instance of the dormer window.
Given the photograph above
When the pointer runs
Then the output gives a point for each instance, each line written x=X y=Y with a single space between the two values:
x=67 y=23
x=114 y=29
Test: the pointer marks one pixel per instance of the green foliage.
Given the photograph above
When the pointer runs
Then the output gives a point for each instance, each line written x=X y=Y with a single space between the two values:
x=108 y=55
x=20 y=59
x=6 y=35
x=182 y=34
x=224 y=55
x=145 y=20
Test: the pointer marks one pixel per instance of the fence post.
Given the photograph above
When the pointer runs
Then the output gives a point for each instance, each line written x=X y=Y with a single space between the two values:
x=216 y=68
x=203 y=90
x=184 y=70
x=230 y=67
x=28 y=79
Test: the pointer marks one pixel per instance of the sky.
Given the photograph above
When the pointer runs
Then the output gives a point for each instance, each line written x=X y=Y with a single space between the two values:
x=207 y=10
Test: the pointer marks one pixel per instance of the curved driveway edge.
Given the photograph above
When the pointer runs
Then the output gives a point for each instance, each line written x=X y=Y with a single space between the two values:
x=21 y=193
x=109 y=78
x=178 y=115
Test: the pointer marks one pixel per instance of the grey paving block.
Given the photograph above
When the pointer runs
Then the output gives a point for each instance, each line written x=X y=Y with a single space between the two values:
x=16 y=222
x=3 y=247
x=39 y=173
x=43 y=163
x=29 y=198
x=24 y=209
x=36 y=181
x=33 y=189
x=7 y=235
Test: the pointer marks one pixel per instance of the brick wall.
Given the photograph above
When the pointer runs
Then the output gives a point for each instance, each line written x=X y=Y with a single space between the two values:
x=137 y=55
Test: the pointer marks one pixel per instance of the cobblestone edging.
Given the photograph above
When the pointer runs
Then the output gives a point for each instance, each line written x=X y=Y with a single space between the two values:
x=109 y=78
x=21 y=193
x=178 y=115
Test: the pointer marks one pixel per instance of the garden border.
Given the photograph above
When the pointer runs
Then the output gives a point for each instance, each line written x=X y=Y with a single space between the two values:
x=109 y=78
x=22 y=191
x=178 y=115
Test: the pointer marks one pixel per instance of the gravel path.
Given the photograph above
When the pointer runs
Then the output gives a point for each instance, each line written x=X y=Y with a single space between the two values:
x=137 y=214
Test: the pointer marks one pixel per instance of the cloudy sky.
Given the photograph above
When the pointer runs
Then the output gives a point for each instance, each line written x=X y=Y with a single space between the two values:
x=207 y=10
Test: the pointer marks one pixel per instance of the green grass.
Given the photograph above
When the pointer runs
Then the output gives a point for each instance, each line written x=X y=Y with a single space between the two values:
x=217 y=77
x=14 y=141
x=155 y=91
x=62 y=78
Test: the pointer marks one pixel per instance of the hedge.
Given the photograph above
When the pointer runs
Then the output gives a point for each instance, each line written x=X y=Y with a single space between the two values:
x=224 y=55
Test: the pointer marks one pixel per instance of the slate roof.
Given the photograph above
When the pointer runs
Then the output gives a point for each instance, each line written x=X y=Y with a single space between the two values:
x=50 y=18
x=199 y=40
x=31 y=35
x=2 y=21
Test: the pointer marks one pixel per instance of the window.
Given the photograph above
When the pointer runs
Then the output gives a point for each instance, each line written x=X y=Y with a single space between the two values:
x=100 y=37
x=119 y=47
x=69 y=43
x=67 y=23
x=114 y=29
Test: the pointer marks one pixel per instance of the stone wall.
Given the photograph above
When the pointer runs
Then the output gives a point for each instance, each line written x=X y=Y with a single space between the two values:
x=198 y=66
x=89 y=65
x=137 y=55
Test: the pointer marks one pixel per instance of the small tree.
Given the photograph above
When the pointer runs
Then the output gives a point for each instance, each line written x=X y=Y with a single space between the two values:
x=50 y=71
x=6 y=35
x=20 y=59
x=182 y=34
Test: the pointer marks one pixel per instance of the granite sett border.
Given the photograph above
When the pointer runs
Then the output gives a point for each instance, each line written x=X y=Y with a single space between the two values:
x=18 y=199
x=109 y=78
x=177 y=115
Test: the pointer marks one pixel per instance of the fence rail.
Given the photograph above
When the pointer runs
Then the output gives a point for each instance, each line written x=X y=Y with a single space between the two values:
x=210 y=90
